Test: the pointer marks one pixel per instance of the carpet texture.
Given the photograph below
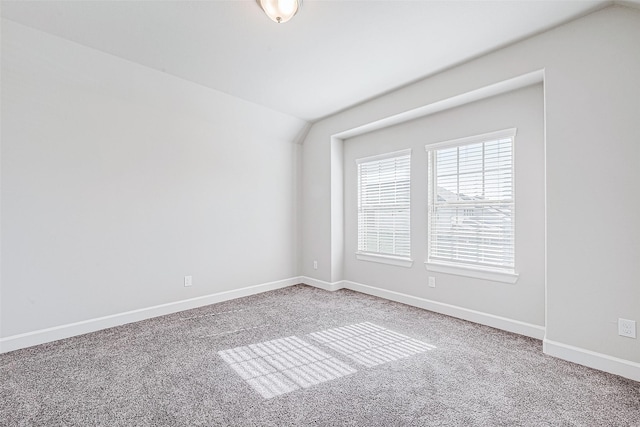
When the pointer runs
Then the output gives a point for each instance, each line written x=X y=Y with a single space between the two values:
x=302 y=356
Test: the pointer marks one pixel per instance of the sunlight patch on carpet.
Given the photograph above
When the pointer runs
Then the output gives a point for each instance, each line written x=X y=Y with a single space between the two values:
x=276 y=367
x=280 y=366
x=369 y=344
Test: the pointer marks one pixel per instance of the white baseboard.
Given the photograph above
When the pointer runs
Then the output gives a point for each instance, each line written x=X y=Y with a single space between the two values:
x=327 y=286
x=602 y=362
x=498 y=322
x=16 y=342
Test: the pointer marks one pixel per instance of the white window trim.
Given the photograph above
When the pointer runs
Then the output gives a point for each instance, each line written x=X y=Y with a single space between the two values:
x=478 y=272
x=384 y=156
x=500 y=134
x=385 y=259
x=493 y=275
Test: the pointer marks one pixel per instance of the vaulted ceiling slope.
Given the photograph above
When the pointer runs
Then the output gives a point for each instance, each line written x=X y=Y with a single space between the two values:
x=332 y=55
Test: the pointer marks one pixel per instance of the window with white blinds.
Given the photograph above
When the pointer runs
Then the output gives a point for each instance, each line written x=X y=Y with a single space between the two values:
x=471 y=202
x=384 y=204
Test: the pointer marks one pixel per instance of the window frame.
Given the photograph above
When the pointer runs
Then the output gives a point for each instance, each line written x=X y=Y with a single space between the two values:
x=500 y=274
x=382 y=257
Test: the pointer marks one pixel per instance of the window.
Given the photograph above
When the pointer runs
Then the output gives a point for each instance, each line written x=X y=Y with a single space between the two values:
x=383 y=208
x=471 y=203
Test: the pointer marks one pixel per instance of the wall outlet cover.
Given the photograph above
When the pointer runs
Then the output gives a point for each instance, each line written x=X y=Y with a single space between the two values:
x=627 y=328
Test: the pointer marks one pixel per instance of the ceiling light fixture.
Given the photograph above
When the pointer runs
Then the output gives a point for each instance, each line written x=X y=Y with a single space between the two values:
x=280 y=10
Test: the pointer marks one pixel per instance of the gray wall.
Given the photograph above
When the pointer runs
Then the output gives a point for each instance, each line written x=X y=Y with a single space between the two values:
x=592 y=99
x=523 y=301
x=118 y=180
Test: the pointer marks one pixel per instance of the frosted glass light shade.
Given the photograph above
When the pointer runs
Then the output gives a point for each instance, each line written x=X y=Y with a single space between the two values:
x=280 y=10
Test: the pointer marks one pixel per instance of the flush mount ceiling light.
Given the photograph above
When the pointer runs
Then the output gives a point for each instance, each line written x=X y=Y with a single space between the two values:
x=280 y=10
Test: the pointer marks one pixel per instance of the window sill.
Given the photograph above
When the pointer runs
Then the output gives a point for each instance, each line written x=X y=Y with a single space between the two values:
x=385 y=259
x=491 y=275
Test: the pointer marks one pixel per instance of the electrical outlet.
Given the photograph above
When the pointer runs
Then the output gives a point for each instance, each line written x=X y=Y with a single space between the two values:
x=188 y=280
x=315 y=265
x=432 y=282
x=627 y=328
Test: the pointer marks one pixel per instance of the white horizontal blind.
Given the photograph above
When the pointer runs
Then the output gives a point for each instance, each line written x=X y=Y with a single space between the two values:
x=471 y=197
x=384 y=205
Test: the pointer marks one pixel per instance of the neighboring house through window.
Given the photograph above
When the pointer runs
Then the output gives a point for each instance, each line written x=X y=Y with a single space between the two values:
x=471 y=221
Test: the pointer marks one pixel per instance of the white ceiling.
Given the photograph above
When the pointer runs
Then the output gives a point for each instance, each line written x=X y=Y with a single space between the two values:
x=332 y=55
